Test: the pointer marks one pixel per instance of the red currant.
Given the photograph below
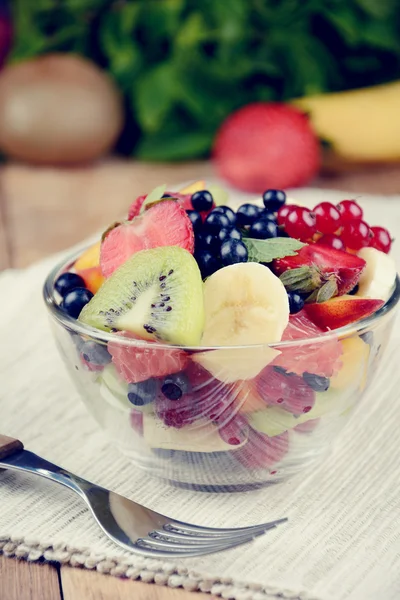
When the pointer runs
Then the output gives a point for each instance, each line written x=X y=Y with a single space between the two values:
x=356 y=234
x=327 y=217
x=332 y=241
x=349 y=211
x=300 y=223
x=381 y=239
x=283 y=213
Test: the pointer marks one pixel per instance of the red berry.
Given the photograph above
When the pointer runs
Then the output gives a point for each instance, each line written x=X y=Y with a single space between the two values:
x=332 y=241
x=283 y=213
x=381 y=239
x=327 y=217
x=267 y=146
x=356 y=234
x=349 y=211
x=300 y=223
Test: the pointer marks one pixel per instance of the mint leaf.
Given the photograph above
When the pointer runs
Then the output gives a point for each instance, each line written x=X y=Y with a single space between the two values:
x=267 y=250
x=155 y=194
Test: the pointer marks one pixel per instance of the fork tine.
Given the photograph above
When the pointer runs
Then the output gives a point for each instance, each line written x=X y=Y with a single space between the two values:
x=173 y=546
x=193 y=530
x=147 y=547
x=208 y=539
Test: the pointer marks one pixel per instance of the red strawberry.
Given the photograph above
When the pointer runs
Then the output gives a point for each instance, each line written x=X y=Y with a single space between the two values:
x=324 y=264
x=138 y=363
x=262 y=451
x=339 y=312
x=289 y=391
x=135 y=207
x=266 y=145
x=183 y=199
x=165 y=224
x=319 y=357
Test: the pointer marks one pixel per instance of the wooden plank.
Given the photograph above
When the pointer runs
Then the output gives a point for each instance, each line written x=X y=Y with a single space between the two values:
x=81 y=584
x=51 y=209
x=22 y=580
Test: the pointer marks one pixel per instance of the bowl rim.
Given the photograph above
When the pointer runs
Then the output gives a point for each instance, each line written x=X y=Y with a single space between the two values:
x=74 y=326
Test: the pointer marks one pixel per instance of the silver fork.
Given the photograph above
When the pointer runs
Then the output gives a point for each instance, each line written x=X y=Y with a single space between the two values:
x=127 y=523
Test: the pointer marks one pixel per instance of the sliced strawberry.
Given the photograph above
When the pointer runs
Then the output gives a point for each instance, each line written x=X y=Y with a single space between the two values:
x=318 y=357
x=138 y=363
x=288 y=391
x=183 y=199
x=135 y=207
x=324 y=264
x=339 y=312
x=262 y=451
x=165 y=224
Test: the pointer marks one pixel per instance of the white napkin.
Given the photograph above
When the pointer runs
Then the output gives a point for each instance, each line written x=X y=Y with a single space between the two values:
x=343 y=538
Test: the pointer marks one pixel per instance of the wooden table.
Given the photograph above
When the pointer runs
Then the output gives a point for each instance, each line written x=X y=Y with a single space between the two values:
x=45 y=210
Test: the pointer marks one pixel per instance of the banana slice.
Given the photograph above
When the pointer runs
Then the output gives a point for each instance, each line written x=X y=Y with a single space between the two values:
x=244 y=304
x=204 y=437
x=379 y=275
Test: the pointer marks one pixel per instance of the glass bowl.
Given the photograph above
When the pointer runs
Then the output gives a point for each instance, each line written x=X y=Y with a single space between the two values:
x=224 y=433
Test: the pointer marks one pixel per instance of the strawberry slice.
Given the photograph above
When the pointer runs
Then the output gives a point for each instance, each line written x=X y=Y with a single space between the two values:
x=320 y=265
x=183 y=199
x=318 y=357
x=135 y=207
x=138 y=363
x=165 y=224
x=339 y=312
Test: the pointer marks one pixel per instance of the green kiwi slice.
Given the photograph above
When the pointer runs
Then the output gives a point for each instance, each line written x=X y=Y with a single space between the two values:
x=157 y=294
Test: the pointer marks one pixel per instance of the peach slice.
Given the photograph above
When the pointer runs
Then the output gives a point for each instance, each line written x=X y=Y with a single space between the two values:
x=93 y=278
x=197 y=186
x=341 y=311
x=354 y=368
x=90 y=258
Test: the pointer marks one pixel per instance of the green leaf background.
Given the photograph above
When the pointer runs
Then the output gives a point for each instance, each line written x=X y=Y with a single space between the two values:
x=184 y=65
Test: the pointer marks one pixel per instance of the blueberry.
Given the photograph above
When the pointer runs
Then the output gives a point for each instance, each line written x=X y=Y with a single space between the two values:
x=274 y=199
x=142 y=393
x=263 y=229
x=202 y=200
x=354 y=290
x=267 y=215
x=296 y=302
x=195 y=219
x=233 y=251
x=67 y=282
x=229 y=234
x=225 y=210
x=318 y=383
x=94 y=353
x=175 y=386
x=207 y=262
x=247 y=213
x=216 y=221
x=75 y=300
x=207 y=241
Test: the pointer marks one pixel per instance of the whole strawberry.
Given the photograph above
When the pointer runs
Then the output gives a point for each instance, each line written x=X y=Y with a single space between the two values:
x=266 y=145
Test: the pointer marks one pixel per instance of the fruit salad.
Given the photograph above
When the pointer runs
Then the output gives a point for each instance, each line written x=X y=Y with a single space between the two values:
x=223 y=346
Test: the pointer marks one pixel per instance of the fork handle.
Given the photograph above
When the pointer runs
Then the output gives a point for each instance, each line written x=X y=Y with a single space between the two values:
x=9 y=446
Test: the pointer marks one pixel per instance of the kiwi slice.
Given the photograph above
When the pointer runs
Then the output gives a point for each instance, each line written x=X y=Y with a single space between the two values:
x=157 y=295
